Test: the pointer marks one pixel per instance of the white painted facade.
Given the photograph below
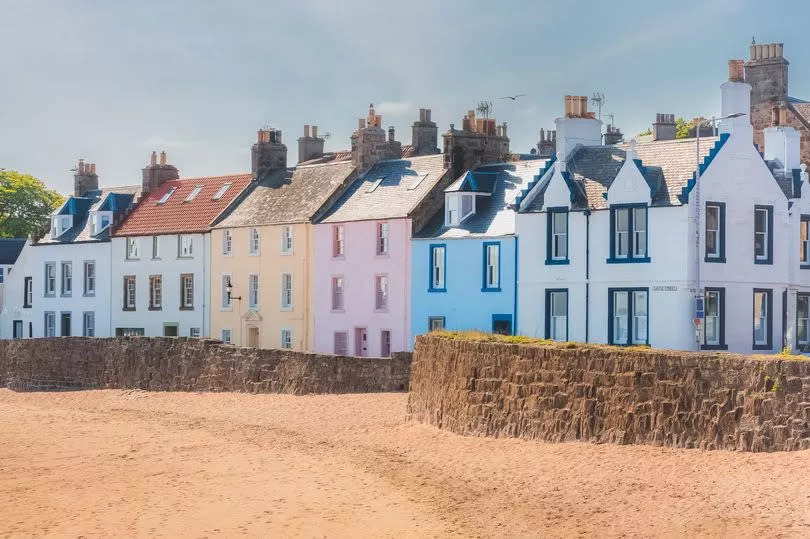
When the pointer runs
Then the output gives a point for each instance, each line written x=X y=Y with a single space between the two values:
x=739 y=179
x=173 y=312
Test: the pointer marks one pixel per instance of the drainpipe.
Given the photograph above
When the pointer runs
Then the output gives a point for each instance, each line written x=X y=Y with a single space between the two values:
x=515 y=291
x=587 y=271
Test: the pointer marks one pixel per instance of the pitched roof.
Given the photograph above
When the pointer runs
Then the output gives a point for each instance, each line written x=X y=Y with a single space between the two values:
x=179 y=215
x=390 y=189
x=10 y=249
x=288 y=195
x=115 y=199
x=344 y=155
x=493 y=214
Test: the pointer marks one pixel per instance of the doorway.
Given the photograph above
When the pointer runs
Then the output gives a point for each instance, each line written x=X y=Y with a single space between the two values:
x=65 y=324
x=502 y=324
x=253 y=337
x=360 y=342
x=18 y=329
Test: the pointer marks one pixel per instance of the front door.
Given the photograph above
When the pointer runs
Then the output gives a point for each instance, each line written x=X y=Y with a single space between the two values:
x=18 y=329
x=65 y=324
x=360 y=342
x=253 y=337
x=502 y=324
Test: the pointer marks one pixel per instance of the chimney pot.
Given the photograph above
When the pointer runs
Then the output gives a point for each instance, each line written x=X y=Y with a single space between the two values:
x=162 y=158
x=391 y=134
x=422 y=115
x=306 y=130
x=361 y=124
x=315 y=131
x=92 y=168
x=427 y=115
x=153 y=159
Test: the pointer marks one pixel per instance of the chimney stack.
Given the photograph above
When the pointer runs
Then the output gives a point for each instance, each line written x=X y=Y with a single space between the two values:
x=268 y=153
x=664 y=127
x=369 y=143
x=310 y=146
x=391 y=133
x=577 y=126
x=480 y=141
x=155 y=174
x=736 y=70
x=782 y=144
x=85 y=179
x=547 y=145
x=735 y=98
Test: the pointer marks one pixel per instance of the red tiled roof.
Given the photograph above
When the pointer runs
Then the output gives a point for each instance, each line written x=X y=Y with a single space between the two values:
x=177 y=216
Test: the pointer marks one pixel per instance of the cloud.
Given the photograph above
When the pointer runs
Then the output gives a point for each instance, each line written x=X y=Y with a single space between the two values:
x=394 y=108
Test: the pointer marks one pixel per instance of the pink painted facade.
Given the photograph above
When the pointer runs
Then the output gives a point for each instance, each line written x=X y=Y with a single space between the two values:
x=361 y=267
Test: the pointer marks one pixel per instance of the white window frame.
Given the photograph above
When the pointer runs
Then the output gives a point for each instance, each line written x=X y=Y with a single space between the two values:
x=67 y=278
x=130 y=289
x=156 y=292
x=803 y=319
x=286 y=240
x=382 y=292
x=622 y=237
x=714 y=320
x=226 y=335
x=155 y=247
x=558 y=322
x=383 y=238
x=286 y=291
x=559 y=238
x=185 y=246
x=166 y=196
x=253 y=291
x=492 y=277
x=50 y=324
x=286 y=340
x=60 y=224
x=338 y=293
x=194 y=192
x=254 y=241
x=713 y=232
x=222 y=190
x=227 y=242
x=186 y=291
x=762 y=319
x=226 y=303
x=438 y=275
x=50 y=278
x=639 y=234
x=88 y=324
x=338 y=241
x=28 y=300
x=133 y=248
x=89 y=274
x=194 y=333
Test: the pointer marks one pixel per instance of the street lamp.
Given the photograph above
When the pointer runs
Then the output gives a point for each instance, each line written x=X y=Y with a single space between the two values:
x=699 y=295
x=229 y=291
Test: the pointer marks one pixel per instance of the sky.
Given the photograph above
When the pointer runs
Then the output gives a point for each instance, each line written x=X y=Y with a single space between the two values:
x=112 y=81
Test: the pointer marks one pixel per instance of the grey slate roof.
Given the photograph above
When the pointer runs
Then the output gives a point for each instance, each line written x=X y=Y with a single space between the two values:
x=291 y=195
x=400 y=185
x=10 y=249
x=80 y=231
x=493 y=216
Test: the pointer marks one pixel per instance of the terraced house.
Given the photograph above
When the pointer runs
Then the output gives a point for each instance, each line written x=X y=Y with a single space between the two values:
x=262 y=249
x=161 y=253
x=608 y=249
x=60 y=284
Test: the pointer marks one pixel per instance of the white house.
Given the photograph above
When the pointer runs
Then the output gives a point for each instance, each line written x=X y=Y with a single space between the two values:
x=609 y=251
x=60 y=285
x=161 y=253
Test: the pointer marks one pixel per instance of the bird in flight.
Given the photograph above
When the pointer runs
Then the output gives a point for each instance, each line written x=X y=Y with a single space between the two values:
x=512 y=97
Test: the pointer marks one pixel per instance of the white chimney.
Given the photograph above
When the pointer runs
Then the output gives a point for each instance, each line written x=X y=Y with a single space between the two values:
x=577 y=126
x=782 y=145
x=735 y=99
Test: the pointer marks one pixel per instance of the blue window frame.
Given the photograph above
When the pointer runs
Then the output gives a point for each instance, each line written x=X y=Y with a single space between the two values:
x=557 y=236
x=763 y=319
x=628 y=316
x=557 y=314
x=628 y=233
x=437 y=279
x=763 y=234
x=715 y=232
x=803 y=321
x=714 y=320
x=804 y=242
x=502 y=324
x=491 y=278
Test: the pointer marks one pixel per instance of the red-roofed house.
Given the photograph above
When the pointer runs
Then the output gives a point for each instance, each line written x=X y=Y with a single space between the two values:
x=161 y=276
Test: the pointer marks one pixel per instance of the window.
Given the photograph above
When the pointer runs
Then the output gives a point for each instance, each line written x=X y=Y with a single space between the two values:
x=458 y=206
x=67 y=278
x=286 y=240
x=337 y=293
x=341 y=343
x=435 y=323
x=557 y=314
x=155 y=292
x=226 y=298
x=99 y=221
x=227 y=242
x=763 y=319
x=492 y=270
x=2 y=275
x=222 y=190
x=66 y=323
x=715 y=232
x=129 y=332
x=437 y=268
x=763 y=234
x=155 y=248
x=226 y=336
x=381 y=292
x=186 y=291
x=253 y=242
x=714 y=331
x=194 y=333
x=628 y=322
x=557 y=236
x=804 y=242
x=133 y=249
x=286 y=291
x=60 y=224
x=50 y=324
x=50 y=279
x=338 y=241
x=385 y=343
x=628 y=240
x=194 y=192
x=29 y=293
x=286 y=338
x=382 y=238
x=89 y=277
x=185 y=246
x=129 y=293
x=253 y=291
x=165 y=197
x=89 y=324
x=803 y=320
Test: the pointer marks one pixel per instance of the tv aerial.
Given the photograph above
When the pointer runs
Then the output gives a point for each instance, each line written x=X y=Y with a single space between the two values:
x=598 y=99
x=484 y=108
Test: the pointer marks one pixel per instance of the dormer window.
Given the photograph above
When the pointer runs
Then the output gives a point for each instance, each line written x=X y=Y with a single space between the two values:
x=166 y=196
x=458 y=206
x=100 y=220
x=60 y=224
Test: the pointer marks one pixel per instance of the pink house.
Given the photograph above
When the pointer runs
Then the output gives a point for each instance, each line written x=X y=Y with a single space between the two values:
x=361 y=281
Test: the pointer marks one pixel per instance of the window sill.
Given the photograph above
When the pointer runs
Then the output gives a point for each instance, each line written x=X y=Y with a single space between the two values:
x=65 y=295
x=49 y=295
x=485 y=289
x=186 y=308
x=155 y=308
x=226 y=309
x=715 y=260
x=337 y=311
x=765 y=261
x=184 y=257
x=286 y=253
x=282 y=309
x=129 y=309
x=383 y=255
x=89 y=295
x=338 y=257
x=644 y=260
x=555 y=262
x=804 y=266
x=26 y=307
x=132 y=259
x=762 y=347
x=437 y=290
x=714 y=347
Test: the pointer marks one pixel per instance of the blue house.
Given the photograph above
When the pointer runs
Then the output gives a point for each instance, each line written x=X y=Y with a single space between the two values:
x=464 y=259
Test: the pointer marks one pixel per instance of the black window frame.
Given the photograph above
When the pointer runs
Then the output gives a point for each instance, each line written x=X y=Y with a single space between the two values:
x=551 y=213
x=629 y=259
x=549 y=292
x=722 y=308
x=721 y=233
x=769 y=234
x=769 y=296
x=630 y=291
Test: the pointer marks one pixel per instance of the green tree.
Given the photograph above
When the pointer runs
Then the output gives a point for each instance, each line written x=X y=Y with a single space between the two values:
x=25 y=205
x=682 y=128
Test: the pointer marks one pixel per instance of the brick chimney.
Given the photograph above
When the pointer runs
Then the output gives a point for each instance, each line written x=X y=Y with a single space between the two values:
x=268 y=154
x=425 y=135
x=577 y=126
x=613 y=135
x=85 y=179
x=310 y=146
x=369 y=144
x=547 y=145
x=156 y=173
x=664 y=127
x=479 y=142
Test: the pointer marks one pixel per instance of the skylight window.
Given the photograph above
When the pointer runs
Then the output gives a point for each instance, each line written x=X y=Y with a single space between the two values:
x=375 y=185
x=165 y=197
x=417 y=182
x=222 y=191
x=191 y=196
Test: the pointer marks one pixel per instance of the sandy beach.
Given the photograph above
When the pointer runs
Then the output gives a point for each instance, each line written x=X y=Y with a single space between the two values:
x=132 y=463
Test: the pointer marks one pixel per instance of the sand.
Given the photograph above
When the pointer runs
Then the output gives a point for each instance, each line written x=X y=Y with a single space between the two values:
x=132 y=463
